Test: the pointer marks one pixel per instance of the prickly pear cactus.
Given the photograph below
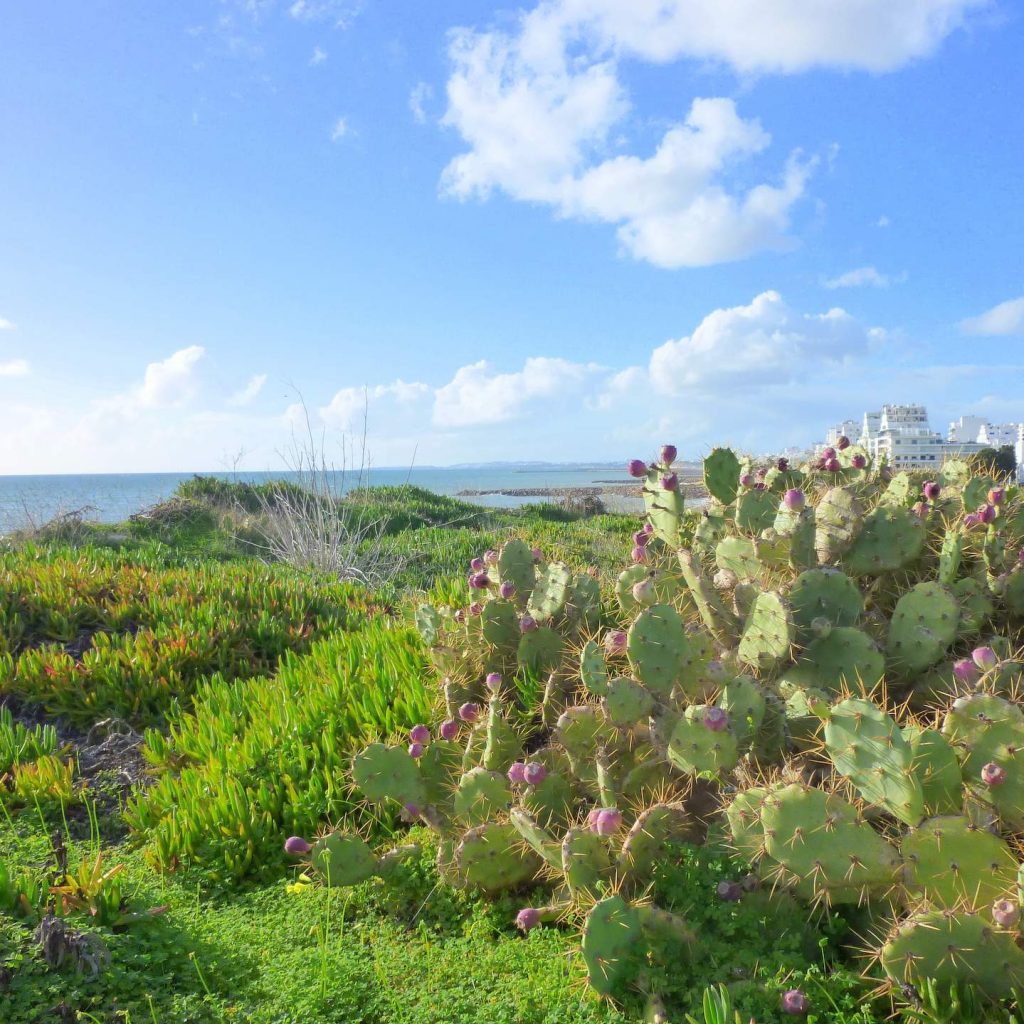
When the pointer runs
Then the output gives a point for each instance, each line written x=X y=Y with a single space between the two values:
x=722 y=475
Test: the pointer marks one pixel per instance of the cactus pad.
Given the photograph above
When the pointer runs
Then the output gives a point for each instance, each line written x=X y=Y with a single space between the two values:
x=768 y=634
x=739 y=555
x=837 y=519
x=500 y=625
x=428 y=622
x=550 y=592
x=539 y=651
x=492 y=857
x=936 y=767
x=611 y=944
x=824 y=593
x=755 y=511
x=722 y=474
x=890 y=539
x=657 y=646
x=720 y=622
x=653 y=832
x=387 y=773
x=693 y=747
x=515 y=566
x=536 y=837
x=923 y=626
x=626 y=703
x=586 y=861
x=481 y=795
x=593 y=669
x=846 y=657
x=342 y=859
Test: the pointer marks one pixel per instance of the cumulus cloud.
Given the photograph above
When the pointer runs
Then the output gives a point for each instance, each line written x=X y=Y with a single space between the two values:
x=251 y=390
x=864 y=276
x=537 y=106
x=339 y=130
x=1005 y=319
x=347 y=407
x=319 y=56
x=170 y=382
x=478 y=395
x=6 y=325
x=15 y=368
x=340 y=12
x=761 y=344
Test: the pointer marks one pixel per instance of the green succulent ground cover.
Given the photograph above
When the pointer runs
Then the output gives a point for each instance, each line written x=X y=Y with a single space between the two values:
x=241 y=692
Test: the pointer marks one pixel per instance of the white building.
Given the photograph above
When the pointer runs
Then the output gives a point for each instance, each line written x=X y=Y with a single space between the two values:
x=905 y=439
x=1019 y=449
x=967 y=428
x=995 y=435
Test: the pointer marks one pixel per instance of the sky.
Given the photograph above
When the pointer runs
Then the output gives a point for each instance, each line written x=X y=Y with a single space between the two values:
x=570 y=230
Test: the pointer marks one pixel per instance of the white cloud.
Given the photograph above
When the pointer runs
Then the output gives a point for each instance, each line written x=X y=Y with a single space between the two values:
x=319 y=56
x=339 y=130
x=538 y=104
x=762 y=344
x=1005 y=319
x=419 y=95
x=863 y=276
x=15 y=368
x=882 y=222
x=347 y=407
x=477 y=395
x=6 y=325
x=340 y=12
x=171 y=381
x=251 y=390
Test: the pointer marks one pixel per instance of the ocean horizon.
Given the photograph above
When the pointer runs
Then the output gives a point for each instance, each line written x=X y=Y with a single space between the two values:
x=30 y=500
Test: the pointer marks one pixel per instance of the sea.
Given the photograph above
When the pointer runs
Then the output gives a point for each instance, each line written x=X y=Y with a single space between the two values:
x=113 y=497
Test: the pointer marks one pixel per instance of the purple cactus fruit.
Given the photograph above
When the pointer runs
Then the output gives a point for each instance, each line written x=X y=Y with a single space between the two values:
x=476 y=608
x=965 y=671
x=985 y=658
x=750 y=882
x=794 y=499
x=607 y=821
x=469 y=712
x=746 y=479
x=615 y=642
x=640 y=538
x=931 y=490
x=858 y=462
x=921 y=509
x=795 y=1003
x=296 y=846
x=409 y=813
x=479 y=581
x=649 y=528
x=449 y=729
x=729 y=891
x=971 y=520
x=996 y=496
x=639 y=554
x=843 y=443
x=415 y=749
x=1005 y=913
x=782 y=465
x=993 y=774
x=716 y=719
x=419 y=734
x=527 y=918
x=760 y=486
x=477 y=564
x=643 y=591
x=832 y=465
x=507 y=590
x=669 y=482
x=987 y=513
x=534 y=773
x=1020 y=556
x=490 y=557
x=761 y=474
x=828 y=453
x=527 y=624
x=538 y=555
x=637 y=467
x=517 y=773
x=668 y=454
x=493 y=681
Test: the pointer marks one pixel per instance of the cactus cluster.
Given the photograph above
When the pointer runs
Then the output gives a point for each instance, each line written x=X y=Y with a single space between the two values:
x=818 y=663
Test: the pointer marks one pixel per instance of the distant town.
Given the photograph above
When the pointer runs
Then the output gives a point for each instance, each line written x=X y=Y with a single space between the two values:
x=902 y=434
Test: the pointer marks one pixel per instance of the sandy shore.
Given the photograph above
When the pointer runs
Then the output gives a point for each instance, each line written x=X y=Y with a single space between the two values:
x=615 y=495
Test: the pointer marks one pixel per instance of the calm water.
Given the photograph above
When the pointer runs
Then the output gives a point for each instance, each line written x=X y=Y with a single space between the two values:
x=114 y=497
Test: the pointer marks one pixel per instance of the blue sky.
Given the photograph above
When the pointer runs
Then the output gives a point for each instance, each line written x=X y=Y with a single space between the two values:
x=567 y=230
